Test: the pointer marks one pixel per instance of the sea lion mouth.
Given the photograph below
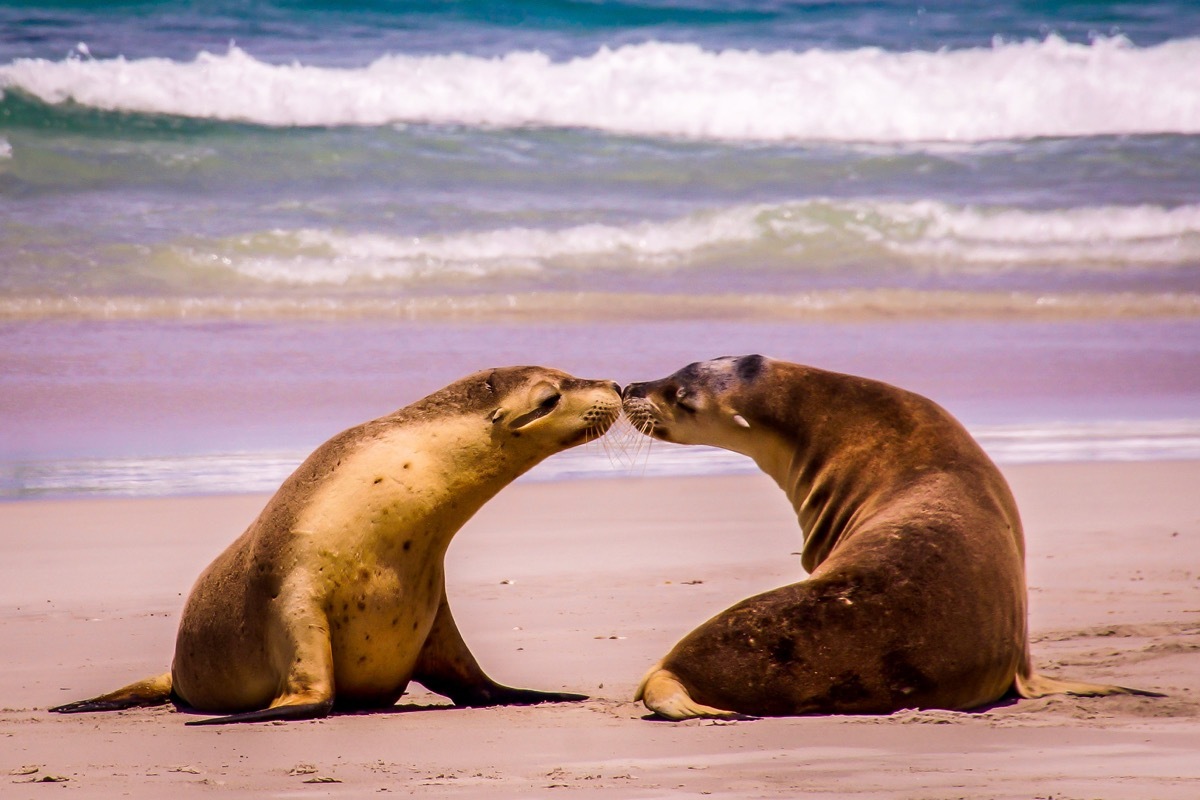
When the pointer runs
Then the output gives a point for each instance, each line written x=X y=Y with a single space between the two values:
x=596 y=422
x=643 y=415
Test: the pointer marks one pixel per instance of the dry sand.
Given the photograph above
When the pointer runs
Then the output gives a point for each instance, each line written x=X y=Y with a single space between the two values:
x=581 y=586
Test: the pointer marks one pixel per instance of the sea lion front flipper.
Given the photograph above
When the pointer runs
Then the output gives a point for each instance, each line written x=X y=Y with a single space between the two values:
x=447 y=667
x=154 y=691
x=1034 y=685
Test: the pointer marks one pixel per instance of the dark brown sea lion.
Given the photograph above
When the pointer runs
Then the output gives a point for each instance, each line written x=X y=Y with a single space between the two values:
x=335 y=596
x=916 y=595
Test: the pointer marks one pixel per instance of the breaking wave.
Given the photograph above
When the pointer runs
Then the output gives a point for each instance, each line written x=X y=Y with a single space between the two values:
x=1011 y=90
x=804 y=235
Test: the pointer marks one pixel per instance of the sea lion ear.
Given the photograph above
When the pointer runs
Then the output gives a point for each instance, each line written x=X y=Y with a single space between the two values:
x=495 y=416
x=740 y=421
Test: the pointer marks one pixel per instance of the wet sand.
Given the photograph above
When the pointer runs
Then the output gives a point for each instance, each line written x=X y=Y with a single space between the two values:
x=581 y=585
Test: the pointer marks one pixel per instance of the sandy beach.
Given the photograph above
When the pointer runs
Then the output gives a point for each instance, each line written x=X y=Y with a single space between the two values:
x=581 y=585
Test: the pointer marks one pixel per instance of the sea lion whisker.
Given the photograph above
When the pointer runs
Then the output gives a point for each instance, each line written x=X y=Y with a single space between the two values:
x=612 y=446
x=598 y=439
x=609 y=440
x=649 y=445
x=626 y=436
x=633 y=442
x=620 y=436
x=644 y=444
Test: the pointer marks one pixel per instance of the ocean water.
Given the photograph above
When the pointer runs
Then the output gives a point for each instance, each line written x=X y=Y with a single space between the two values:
x=229 y=230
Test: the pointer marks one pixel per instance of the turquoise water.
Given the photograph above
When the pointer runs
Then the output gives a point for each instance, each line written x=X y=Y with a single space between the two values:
x=205 y=208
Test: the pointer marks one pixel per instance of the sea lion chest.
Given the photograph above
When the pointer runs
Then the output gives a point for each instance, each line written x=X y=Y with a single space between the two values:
x=379 y=614
x=373 y=543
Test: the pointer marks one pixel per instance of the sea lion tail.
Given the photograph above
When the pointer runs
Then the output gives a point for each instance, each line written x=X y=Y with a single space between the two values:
x=661 y=692
x=1033 y=685
x=154 y=691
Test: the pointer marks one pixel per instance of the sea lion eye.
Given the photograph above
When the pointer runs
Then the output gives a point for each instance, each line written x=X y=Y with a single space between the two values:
x=550 y=398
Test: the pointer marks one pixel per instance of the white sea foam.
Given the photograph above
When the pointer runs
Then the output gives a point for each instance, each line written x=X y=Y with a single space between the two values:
x=314 y=257
x=1096 y=236
x=1008 y=91
x=1111 y=440
x=5 y=149
x=802 y=235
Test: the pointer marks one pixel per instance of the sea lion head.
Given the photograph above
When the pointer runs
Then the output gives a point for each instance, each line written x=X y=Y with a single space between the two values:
x=700 y=404
x=544 y=407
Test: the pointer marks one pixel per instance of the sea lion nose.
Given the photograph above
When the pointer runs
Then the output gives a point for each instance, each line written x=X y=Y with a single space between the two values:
x=634 y=390
x=616 y=387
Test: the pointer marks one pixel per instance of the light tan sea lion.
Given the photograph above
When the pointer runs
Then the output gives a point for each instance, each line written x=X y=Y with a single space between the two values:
x=916 y=594
x=335 y=596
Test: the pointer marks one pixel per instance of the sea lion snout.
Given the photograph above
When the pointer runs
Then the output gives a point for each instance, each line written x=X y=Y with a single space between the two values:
x=642 y=411
x=634 y=390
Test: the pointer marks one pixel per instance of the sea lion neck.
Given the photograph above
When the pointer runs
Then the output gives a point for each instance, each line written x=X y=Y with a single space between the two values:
x=429 y=474
x=457 y=466
x=828 y=498
x=811 y=441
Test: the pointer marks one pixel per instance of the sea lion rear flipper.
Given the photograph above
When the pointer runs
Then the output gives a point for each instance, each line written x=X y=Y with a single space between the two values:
x=154 y=691
x=1034 y=685
x=447 y=667
x=304 y=652
x=662 y=693
x=292 y=711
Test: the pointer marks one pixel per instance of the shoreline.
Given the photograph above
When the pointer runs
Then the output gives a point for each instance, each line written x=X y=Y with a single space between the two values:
x=622 y=454
x=580 y=585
